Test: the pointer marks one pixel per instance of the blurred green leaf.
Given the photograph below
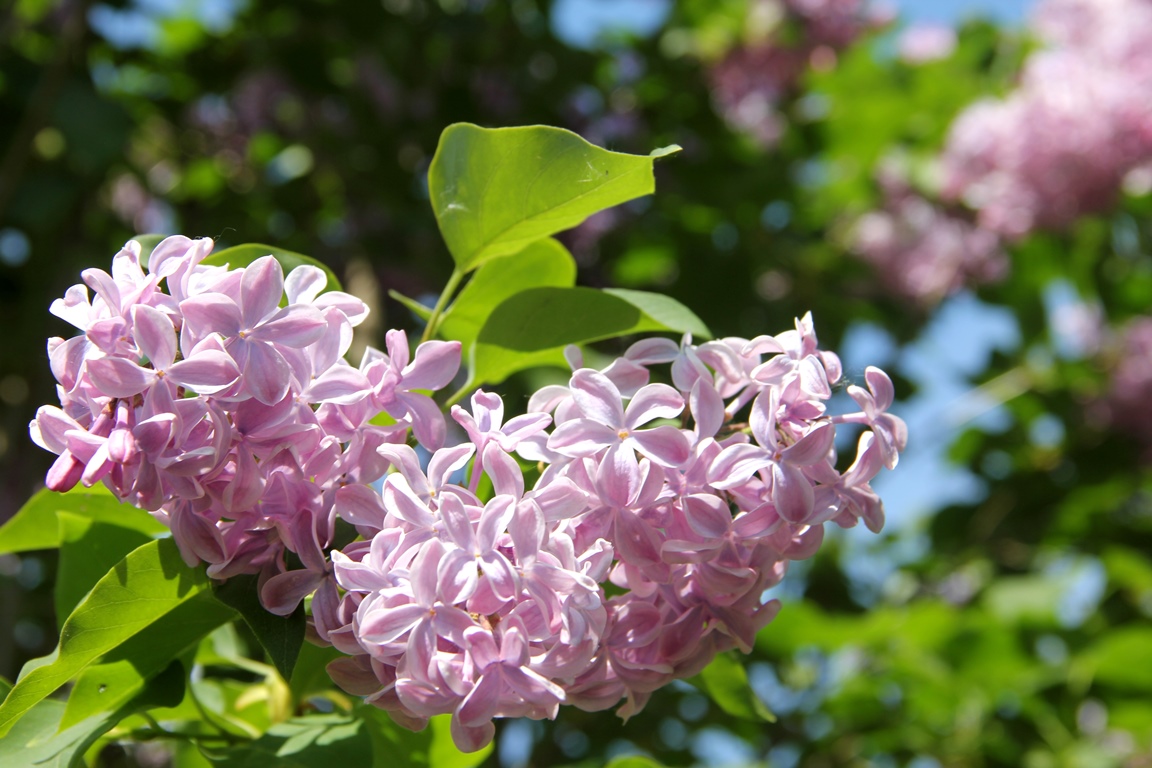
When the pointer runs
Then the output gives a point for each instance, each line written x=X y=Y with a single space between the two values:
x=494 y=191
x=418 y=309
x=315 y=741
x=634 y=761
x=726 y=683
x=1123 y=658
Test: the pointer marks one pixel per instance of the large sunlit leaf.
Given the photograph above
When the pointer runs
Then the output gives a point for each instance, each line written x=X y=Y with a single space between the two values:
x=35 y=526
x=532 y=327
x=543 y=263
x=494 y=191
x=242 y=255
x=726 y=683
x=151 y=587
x=88 y=550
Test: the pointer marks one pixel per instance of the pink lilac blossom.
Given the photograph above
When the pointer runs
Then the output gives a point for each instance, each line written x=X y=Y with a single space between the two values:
x=1125 y=406
x=1061 y=144
x=495 y=605
x=475 y=587
x=922 y=251
x=751 y=80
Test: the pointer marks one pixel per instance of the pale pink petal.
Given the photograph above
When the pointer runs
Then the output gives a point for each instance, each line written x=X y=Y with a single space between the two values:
x=655 y=401
x=502 y=579
x=502 y=469
x=435 y=365
x=457 y=523
x=811 y=448
x=348 y=305
x=653 y=351
x=360 y=505
x=792 y=493
x=340 y=384
x=582 y=437
x=457 y=577
x=266 y=373
x=618 y=477
x=206 y=372
x=155 y=335
x=304 y=283
x=707 y=515
x=261 y=289
x=447 y=462
x=384 y=625
x=296 y=326
x=736 y=464
x=117 y=377
x=707 y=408
x=211 y=313
x=666 y=446
x=598 y=397
x=427 y=420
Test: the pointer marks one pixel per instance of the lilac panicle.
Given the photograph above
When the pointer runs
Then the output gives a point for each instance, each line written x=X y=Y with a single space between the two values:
x=220 y=401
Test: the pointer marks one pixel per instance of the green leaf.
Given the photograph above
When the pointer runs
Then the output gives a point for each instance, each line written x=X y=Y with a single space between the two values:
x=664 y=310
x=532 y=327
x=494 y=191
x=145 y=589
x=396 y=747
x=1123 y=659
x=310 y=675
x=543 y=263
x=88 y=550
x=634 y=761
x=40 y=739
x=242 y=255
x=108 y=686
x=418 y=309
x=726 y=683
x=280 y=636
x=316 y=741
x=35 y=526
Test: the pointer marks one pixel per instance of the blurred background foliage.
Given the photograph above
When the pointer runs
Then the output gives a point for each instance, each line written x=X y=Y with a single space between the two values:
x=1004 y=617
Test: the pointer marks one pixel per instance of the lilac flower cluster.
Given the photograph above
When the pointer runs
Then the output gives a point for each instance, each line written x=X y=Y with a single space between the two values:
x=1061 y=144
x=1125 y=406
x=230 y=417
x=922 y=251
x=615 y=537
x=785 y=38
x=642 y=549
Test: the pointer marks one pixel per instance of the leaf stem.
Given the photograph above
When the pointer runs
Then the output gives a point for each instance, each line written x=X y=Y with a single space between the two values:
x=438 y=310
